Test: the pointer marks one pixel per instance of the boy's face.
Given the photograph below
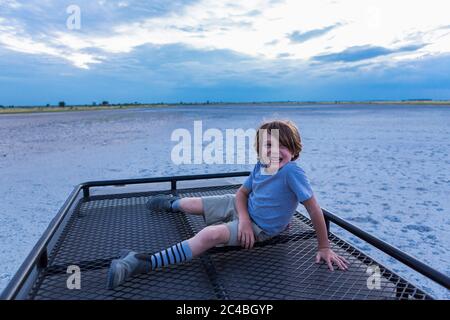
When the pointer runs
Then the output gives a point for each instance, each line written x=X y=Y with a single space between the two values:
x=281 y=157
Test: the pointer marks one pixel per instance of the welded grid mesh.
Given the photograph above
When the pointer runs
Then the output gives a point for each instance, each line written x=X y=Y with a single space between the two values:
x=280 y=268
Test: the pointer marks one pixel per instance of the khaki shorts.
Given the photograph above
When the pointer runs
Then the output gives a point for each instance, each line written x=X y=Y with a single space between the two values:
x=222 y=210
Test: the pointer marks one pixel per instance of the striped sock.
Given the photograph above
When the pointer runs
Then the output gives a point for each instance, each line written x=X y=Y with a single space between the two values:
x=173 y=255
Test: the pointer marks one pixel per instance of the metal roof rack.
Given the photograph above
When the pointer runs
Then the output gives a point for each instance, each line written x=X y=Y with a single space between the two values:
x=89 y=230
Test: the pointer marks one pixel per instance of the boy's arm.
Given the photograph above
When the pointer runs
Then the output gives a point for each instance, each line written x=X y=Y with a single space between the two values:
x=318 y=221
x=245 y=230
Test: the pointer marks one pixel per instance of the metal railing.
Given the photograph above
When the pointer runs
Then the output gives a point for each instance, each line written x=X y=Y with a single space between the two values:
x=392 y=251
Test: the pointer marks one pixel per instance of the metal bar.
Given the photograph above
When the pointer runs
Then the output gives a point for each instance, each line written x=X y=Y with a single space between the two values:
x=327 y=224
x=396 y=253
x=85 y=192
x=43 y=259
x=164 y=179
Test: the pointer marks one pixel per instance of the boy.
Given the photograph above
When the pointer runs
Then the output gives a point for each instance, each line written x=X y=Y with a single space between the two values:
x=260 y=209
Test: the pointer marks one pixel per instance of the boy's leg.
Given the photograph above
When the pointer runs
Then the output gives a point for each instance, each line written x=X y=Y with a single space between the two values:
x=216 y=209
x=208 y=238
x=192 y=205
x=132 y=263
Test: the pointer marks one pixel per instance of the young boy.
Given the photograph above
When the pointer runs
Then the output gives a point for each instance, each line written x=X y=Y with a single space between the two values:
x=260 y=209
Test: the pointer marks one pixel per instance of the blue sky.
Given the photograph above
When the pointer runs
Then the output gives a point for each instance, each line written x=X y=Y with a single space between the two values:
x=198 y=50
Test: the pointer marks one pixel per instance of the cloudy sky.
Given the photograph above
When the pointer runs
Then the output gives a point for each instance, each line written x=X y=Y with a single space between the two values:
x=197 y=50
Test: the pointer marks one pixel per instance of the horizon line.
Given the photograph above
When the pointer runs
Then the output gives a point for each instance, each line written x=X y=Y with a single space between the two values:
x=105 y=103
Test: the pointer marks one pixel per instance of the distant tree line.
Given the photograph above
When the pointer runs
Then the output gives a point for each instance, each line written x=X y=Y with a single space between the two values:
x=94 y=104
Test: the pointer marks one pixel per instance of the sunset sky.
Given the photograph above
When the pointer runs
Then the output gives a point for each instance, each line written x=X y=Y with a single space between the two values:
x=266 y=50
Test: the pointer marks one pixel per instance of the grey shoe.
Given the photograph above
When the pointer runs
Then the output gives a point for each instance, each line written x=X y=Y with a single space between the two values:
x=123 y=268
x=162 y=202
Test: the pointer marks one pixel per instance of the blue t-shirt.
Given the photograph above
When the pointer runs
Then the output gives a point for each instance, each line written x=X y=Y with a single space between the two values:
x=273 y=199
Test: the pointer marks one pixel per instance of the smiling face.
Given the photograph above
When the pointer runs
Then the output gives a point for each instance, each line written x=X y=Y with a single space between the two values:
x=277 y=143
x=277 y=158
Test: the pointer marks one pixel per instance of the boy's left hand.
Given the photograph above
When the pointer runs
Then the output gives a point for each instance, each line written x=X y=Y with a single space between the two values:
x=329 y=256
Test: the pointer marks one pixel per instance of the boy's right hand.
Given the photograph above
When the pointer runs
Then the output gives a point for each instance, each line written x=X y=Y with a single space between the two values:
x=245 y=233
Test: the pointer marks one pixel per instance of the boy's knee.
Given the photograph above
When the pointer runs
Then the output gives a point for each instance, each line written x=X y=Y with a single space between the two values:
x=216 y=234
x=191 y=204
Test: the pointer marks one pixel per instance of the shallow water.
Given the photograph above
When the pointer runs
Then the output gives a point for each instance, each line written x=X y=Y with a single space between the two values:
x=385 y=168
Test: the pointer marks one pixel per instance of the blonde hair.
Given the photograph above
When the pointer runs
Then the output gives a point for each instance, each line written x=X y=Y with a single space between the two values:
x=289 y=136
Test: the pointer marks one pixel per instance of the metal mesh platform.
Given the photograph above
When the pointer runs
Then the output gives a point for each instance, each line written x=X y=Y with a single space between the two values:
x=281 y=268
